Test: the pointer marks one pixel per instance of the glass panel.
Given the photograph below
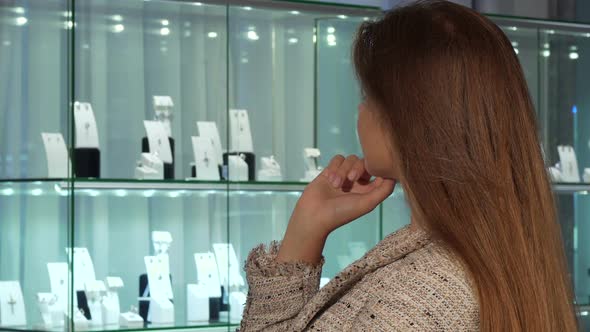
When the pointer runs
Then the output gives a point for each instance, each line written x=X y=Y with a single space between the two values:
x=34 y=232
x=565 y=94
x=116 y=227
x=34 y=215
x=33 y=90
x=271 y=59
x=565 y=62
x=127 y=52
x=526 y=47
x=338 y=93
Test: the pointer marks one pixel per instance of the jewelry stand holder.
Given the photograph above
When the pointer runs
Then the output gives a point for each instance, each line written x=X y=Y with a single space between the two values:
x=241 y=143
x=79 y=321
x=310 y=158
x=197 y=303
x=237 y=167
x=237 y=301
x=150 y=167
x=208 y=275
x=206 y=167
x=51 y=313
x=568 y=164
x=155 y=287
x=87 y=151
x=95 y=291
x=163 y=109
x=270 y=170
x=131 y=319
x=111 y=307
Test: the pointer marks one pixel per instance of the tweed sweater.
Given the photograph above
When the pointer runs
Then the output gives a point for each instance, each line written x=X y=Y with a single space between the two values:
x=406 y=282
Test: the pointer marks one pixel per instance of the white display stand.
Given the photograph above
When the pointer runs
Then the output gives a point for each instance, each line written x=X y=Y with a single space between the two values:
x=131 y=319
x=12 y=305
x=83 y=267
x=205 y=156
x=240 y=133
x=56 y=152
x=150 y=167
x=161 y=309
x=208 y=130
x=208 y=273
x=555 y=173
x=157 y=136
x=568 y=163
x=158 y=273
x=197 y=303
x=310 y=158
x=270 y=170
x=86 y=128
x=237 y=302
x=58 y=279
x=79 y=321
x=95 y=291
x=238 y=168
x=51 y=313
x=227 y=263
x=111 y=307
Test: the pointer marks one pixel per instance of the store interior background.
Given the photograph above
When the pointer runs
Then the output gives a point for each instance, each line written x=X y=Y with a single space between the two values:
x=570 y=86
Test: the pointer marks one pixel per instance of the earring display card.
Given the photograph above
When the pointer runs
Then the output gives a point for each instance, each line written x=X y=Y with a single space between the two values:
x=58 y=279
x=205 y=159
x=158 y=140
x=158 y=274
x=12 y=306
x=86 y=129
x=569 y=164
x=83 y=267
x=58 y=161
x=240 y=133
x=208 y=130
x=208 y=273
x=228 y=265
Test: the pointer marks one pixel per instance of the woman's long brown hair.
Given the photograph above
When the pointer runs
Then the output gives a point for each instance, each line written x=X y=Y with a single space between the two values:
x=452 y=94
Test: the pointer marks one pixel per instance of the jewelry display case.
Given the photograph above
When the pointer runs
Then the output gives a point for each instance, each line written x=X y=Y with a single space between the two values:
x=556 y=60
x=147 y=146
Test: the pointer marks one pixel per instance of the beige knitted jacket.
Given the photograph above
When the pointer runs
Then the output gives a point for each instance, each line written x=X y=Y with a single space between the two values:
x=406 y=282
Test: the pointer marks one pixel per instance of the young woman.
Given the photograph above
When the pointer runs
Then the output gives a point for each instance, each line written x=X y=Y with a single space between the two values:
x=447 y=115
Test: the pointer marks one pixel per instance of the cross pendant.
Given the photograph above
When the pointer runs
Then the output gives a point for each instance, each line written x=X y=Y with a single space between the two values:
x=206 y=159
x=11 y=303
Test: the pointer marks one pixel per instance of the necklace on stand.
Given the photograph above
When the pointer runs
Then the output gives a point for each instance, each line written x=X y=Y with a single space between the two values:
x=206 y=160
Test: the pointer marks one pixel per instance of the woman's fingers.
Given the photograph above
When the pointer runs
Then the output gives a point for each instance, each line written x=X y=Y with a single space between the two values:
x=337 y=171
x=357 y=171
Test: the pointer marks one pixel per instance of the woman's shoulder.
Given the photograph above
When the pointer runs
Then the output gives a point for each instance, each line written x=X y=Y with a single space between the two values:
x=426 y=289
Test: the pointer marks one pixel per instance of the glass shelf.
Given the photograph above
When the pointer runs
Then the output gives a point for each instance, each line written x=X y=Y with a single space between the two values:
x=570 y=188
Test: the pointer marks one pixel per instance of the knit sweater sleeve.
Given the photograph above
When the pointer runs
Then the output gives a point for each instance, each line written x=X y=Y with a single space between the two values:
x=277 y=290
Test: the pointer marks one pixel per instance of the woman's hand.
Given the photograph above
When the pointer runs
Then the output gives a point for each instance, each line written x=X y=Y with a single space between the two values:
x=342 y=193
